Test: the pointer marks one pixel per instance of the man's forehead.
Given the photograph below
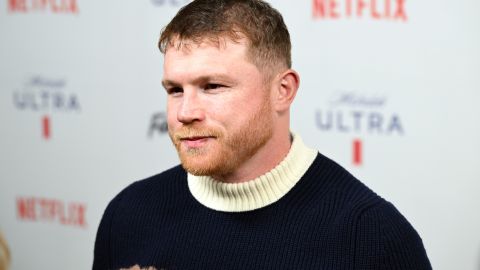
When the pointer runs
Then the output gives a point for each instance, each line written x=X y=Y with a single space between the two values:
x=207 y=53
x=221 y=54
x=197 y=60
x=218 y=41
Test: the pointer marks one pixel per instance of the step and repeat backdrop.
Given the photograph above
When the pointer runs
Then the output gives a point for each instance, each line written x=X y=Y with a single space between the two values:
x=389 y=89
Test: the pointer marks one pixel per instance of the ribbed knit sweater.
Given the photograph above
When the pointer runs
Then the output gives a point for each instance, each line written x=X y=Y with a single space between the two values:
x=307 y=213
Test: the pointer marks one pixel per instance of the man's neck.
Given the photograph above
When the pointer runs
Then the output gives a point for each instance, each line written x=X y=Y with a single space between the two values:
x=256 y=192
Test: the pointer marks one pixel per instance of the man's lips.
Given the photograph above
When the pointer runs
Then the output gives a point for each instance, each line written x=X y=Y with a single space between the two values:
x=196 y=141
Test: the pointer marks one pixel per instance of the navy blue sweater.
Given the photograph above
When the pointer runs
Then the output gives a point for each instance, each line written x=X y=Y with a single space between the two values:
x=329 y=220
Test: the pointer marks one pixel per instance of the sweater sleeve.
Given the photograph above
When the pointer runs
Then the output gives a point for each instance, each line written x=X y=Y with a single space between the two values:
x=386 y=240
x=101 y=254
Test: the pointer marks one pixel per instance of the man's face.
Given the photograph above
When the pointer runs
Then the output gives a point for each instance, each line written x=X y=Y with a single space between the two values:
x=219 y=112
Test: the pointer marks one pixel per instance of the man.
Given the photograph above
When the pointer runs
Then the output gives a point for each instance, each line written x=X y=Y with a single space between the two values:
x=250 y=194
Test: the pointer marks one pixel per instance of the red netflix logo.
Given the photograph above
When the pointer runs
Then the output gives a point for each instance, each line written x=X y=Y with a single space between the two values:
x=55 y=6
x=51 y=210
x=393 y=10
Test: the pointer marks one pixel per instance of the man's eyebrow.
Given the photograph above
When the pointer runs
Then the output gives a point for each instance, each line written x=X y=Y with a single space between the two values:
x=202 y=79
x=213 y=77
x=168 y=83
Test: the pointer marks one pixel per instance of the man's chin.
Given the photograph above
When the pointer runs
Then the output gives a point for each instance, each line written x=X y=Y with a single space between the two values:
x=196 y=163
x=198 y=170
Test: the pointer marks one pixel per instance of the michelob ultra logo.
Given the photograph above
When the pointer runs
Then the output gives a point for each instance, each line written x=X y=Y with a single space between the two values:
x=46 y=96
x=358 y=115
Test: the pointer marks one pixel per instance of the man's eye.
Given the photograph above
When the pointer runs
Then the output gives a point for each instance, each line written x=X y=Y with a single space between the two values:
x=211 y=86
x=174 y=90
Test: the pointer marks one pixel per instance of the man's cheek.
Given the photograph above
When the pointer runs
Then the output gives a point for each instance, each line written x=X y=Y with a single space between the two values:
x=171 y=119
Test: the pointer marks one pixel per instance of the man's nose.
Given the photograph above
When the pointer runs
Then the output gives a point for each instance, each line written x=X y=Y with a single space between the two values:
x=191 y=109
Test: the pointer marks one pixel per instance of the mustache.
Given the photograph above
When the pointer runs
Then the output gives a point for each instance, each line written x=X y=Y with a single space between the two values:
x=191 y=132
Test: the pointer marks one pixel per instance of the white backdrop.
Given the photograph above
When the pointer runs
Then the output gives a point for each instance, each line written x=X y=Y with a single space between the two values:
x=82 y=113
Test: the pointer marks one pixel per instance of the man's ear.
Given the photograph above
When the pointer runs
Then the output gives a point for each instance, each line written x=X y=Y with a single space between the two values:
x=286 y=89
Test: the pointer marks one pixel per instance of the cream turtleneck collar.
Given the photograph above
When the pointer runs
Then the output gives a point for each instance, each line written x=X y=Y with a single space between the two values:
x=256 y=193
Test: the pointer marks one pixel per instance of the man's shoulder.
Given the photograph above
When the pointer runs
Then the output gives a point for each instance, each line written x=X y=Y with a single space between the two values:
x=357 y=204
x=155 y=186
x=340 y=185
x=351 y=200
x=136 y=208
x=374 y=221
x=160 y=180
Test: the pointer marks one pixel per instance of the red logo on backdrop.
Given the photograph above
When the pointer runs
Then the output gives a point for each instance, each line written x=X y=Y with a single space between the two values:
x=55 y=6
x=393 y=10
x=45 y=95
x=52 y=210
x=357 y=152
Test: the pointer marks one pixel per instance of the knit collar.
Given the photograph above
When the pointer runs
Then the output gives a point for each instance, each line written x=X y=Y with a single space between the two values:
x=256 y=193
